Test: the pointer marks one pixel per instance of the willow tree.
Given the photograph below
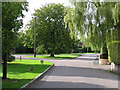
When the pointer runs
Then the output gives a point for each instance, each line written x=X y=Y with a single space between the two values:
x=114 y=34
x=79 y=19
x=94 y=21
x=109 y=11
x=73 y=20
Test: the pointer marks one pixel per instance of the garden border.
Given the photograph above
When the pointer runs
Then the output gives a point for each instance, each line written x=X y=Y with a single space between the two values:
x=38 y=77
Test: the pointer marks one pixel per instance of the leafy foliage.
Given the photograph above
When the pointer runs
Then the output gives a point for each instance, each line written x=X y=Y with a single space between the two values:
x=114 y=52
x=50 y=29
x=40 y=49
x=11 y=23
x=95 y=21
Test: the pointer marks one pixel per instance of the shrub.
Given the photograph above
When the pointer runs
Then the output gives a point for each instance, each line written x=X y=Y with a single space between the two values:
x=11 y=58
x=114 y=52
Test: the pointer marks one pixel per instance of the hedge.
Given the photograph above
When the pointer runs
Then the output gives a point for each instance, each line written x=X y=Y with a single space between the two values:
x=114 y=52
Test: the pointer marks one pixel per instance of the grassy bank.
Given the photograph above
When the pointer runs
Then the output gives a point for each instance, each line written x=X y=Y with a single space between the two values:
x=22 y=72
x=60 y=56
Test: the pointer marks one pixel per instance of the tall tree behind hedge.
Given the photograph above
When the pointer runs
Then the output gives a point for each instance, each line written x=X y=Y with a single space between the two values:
x=11 y=23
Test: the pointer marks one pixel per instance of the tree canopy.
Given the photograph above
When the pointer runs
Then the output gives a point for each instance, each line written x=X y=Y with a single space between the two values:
x=11 y=22
x=95 y=21
x=51 y=33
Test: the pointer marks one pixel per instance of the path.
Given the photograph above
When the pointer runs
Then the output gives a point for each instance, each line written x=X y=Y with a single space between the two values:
x=77 y=73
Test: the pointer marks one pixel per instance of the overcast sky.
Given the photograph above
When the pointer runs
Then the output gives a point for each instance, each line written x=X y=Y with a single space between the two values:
x=35 y=4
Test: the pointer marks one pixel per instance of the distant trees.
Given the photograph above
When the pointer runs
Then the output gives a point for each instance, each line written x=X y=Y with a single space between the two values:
x=51 y=34
x=11 y=22
x=20 y=47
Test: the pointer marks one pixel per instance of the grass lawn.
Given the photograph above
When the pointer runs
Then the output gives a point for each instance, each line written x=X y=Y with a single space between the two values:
x=114 y=72
x=60 y=56
x=86 y=53
x=20 y=73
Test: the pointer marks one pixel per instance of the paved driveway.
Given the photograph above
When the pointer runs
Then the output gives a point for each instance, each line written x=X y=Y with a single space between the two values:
x=80 y=72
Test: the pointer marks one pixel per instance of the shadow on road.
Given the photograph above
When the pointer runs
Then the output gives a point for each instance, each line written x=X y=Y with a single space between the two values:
x=81 y=72
x=58 y=84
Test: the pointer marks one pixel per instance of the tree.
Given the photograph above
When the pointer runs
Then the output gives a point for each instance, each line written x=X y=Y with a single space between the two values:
x=94 y=21
x=11 y=22
x=50 y=29
x=104 y=25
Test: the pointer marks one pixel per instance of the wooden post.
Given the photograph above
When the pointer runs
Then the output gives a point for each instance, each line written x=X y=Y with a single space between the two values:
x=20 y=58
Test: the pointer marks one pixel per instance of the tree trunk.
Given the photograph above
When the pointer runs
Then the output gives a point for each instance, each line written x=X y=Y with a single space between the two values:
x=4 y=66
x=52 y=55
x=103 y=49
x=104 y=52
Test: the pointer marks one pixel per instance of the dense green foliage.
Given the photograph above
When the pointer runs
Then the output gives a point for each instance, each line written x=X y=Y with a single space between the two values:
x=11 y=23
x=12 y=14
x=96 y=22
x=114 y=52
x=20 y=48
x=51 y=33
x=20 y=73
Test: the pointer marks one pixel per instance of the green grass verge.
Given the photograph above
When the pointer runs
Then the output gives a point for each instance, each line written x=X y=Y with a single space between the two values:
x=19 y=72
x=60 y=56
x=86 y=53
x=114 y=72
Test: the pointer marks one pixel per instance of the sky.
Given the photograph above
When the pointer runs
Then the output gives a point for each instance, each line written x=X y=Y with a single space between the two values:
x=35 y=4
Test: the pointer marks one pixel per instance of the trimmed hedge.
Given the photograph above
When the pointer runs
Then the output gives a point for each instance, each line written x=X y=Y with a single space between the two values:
x=114 y=52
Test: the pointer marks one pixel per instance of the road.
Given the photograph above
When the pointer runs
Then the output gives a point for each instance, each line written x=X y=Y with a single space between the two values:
x=80 y=72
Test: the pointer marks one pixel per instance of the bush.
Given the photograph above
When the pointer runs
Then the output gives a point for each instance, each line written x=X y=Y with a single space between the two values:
x=11 y=58
x=114 y=52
